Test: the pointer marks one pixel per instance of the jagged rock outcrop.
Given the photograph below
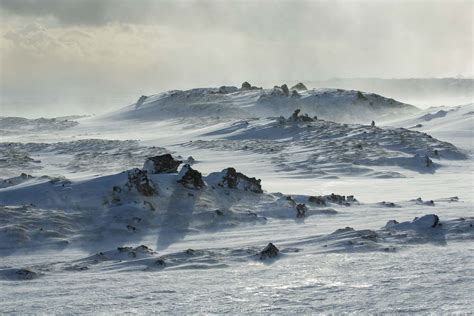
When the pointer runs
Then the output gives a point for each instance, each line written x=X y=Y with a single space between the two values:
x=232 y=179
x=301 y=210
x=246 y=86
x=295 y=94
x=285 y=90
x=299 y=87
x=227 y=89
x=296 y=117
x=140 y=101
x=360 y=96
x=270 y=251
x=161 y=164
x=332 y=198
x=190 y=178
x=138 y=180
x=418 y=224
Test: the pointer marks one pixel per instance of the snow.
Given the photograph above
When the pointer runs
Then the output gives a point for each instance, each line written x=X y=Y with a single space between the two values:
x=77 y=209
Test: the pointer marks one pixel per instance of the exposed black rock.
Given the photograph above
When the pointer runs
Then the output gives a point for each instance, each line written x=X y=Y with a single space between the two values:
x=236 y=180
x=428 y=162
x=190 y=178
x=299 y=87
x=285 y=90
x=161 y=164
x=344 y=230
x=319 y=200
x=332 y=198
x=227 y=89
x=360 y=96
x=140 y=101
x=270 y=251
x=295 y=94
x=138 y=179
x=301 y=210
x=246 y=86
x=295 y=114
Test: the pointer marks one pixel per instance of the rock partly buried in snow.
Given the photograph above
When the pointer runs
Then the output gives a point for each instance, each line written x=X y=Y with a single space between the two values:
x=15 y=180
x=246 y=86
x=285 y=90
x=270 y=251
x=301 y=210
x=161 y=164
x=141 y=100
x=332 y=198
x=230 y=178
x=295 y=94
x=419 y=223
x=18 y=274
x=299 y=87
x=190 y=178
x=227 y=89
x=296 y=117
x=138 y=180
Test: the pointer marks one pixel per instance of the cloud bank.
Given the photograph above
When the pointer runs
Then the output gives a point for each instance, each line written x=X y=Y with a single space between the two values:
x=111 y=48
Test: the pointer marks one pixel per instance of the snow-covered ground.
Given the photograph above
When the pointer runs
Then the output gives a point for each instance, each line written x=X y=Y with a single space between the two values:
x=366 y=219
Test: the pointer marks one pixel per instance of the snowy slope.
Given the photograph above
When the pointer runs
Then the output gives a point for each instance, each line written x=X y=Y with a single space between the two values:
x=454 y=124
x=75 y=211
x=333 y=104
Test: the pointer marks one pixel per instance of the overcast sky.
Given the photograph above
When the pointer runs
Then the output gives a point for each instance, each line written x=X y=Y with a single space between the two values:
x=96 y=49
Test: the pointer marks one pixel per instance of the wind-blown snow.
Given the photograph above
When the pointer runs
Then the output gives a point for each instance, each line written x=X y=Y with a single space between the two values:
x=395 y=236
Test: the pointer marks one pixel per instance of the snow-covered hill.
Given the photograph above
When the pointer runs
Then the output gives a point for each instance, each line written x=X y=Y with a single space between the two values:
x=332 y=104
x=365 y=212
x=451 y=123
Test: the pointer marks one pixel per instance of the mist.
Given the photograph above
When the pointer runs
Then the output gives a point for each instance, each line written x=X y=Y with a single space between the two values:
x=89 y=57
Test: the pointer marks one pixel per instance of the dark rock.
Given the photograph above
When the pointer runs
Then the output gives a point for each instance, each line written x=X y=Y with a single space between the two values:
x=236 y=180
x=319 y=200
x=285 y=90
x=295 y=114
x=428 y=162
x=344 y=230
x=138 y=180
x=301 y=210
x=140 y=101
x=116 y=189
x=190 y=160
x=160 y=262
x=219 y=213
x=299 y=87
x=190 y=178
x=246 y=86
x=295 y=94
x=124 y=249
x=270 y=251
x=26 y=274
x=161 y=164
x=360 y=96
x=332 y=198
x=227 y=89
